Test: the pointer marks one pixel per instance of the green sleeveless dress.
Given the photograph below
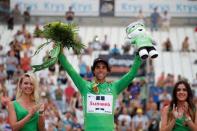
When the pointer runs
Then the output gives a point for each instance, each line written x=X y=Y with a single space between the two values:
x=21 y=112
x=180 y=126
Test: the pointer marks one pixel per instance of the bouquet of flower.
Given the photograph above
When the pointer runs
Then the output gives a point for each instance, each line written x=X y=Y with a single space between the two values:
x=61 y=35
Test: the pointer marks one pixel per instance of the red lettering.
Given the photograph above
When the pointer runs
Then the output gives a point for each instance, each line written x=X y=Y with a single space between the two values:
x=99 y=103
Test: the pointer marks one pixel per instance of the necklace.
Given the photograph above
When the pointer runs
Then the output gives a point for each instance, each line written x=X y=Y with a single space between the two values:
x=95 y=88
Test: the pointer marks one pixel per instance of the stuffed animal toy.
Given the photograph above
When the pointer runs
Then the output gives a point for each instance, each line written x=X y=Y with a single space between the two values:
x=137 y=35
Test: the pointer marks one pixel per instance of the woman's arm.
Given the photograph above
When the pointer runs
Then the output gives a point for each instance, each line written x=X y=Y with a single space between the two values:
x=190 y=123
x=164 y=117
x=41 y=123
x=123 y=83
x=16 y=125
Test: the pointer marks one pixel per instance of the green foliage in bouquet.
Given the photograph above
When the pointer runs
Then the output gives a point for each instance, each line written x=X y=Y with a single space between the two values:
x=61 y=35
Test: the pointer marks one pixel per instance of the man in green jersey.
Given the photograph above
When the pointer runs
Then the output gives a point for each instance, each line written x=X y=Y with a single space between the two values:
x=99 y=96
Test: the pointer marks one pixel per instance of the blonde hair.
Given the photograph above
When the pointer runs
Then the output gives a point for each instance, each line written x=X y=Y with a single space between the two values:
x=35 y=96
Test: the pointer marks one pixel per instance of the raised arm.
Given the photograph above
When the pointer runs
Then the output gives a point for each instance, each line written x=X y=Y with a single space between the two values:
x=121 y=84
x=77 y=79
x=190 y=123
x=165 y=125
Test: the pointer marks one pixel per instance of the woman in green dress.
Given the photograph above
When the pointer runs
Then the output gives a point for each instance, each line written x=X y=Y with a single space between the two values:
x=181 y=114
x=26 y=113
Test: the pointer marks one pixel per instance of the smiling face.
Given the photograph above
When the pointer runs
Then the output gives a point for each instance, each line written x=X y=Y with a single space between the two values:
x=100 y=71
x=181 y=93
x=27 y=86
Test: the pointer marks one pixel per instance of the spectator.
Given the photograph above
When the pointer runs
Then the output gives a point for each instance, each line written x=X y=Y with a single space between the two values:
x=68 y=119
x=62 y=78
x=25 y=62
x=4 y=126
x=181 y=113
x=2 y=74
x=11 y=64
x=69 y=16
x=124 y=116
x=134 y=89
x=95 y=44
x=185 y=44
x=165 y=21
x=28 y=42
x=164 y=98
x=161 y=80
x=16 y=47
x=167 y=45
x=18 y=38
x=2 y=55
x=36 y=31
x=69 y=91
x=82 y=68
x=169 y=82
x=194 y=82
x=154 y=118
x=140 y=17
x=17 y=13
x=59 y=98
x=126 y=48
x=105 y=44
x=139 y=121
x=89 y=75
x=10 y=21
x=26 y=15
x=155 y=17
x=195 y=34
x=143 y=92
x=155 y=92
x=79 y=115
x=115 y=50
x=76 y=126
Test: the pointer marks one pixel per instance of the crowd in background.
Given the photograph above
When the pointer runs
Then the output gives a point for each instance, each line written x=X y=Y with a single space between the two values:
x=137 y=108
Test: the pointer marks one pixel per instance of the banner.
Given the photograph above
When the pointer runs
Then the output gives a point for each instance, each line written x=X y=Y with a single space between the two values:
x=106 y=7
x=58 y=7
x=176 y=8
x=121 y=64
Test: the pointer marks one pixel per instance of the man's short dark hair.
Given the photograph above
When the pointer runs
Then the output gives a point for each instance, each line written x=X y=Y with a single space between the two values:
x=100 y=60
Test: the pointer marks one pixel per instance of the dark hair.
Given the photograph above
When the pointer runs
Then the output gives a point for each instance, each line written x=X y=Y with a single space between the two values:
x=189 y=97
x=189 y=91
x=100 y=60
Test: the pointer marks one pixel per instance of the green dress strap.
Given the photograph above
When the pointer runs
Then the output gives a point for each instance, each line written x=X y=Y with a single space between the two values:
x=180 y=125
x=21 y=112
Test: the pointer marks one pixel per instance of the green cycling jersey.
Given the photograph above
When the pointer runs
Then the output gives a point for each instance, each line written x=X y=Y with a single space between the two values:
x=99 y=107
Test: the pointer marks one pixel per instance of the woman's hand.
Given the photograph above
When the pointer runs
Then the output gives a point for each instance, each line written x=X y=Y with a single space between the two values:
x=33 y=110
x=42 y=108
x=186 y=109
x=175 y=111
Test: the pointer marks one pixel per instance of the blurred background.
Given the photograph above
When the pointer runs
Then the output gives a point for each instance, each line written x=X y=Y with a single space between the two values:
x=101 y=27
